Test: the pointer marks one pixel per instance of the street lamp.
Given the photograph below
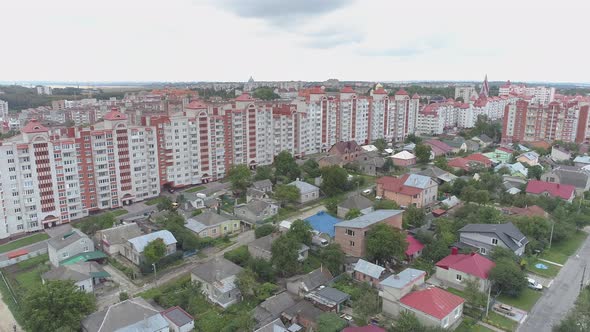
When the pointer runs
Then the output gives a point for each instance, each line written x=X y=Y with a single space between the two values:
x=155 y=274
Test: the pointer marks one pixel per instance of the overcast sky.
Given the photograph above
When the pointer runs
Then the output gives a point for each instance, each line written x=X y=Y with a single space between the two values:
x=231 y=40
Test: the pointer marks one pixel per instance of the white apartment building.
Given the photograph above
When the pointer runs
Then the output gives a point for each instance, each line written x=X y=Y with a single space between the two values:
x=465 y=92
x=3 y=110
x=539 y=94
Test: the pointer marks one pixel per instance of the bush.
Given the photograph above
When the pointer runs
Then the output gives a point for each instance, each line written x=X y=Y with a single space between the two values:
x=123 y=296
x=146 y=268
x=240 y=255
x=264 y=230
x=125 y=269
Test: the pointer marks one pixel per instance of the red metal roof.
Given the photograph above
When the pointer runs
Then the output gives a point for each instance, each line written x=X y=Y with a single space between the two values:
x=17 y=253
x=433 y=301
x=380 y=91
x=368 y=328
x=244 y=97
x=564 y=191
x=416 y=96
x=114 y=114
x=396 y=185
x=347 y=89
x=439 y=144
x=34 y=126
x=479 y=158
x=473 y=264
x=401 y=92
x=413 y=245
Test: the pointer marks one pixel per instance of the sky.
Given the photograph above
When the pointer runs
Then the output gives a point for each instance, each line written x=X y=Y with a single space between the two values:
x=311 y=40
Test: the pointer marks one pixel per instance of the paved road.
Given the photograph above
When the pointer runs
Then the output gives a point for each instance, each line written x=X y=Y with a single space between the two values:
x=560 y=298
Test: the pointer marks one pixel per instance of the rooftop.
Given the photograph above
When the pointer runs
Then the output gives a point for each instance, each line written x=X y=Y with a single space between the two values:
x=304 y=187
x=413 y=245
x=473 y=264
x=124 y=314
x=564 y=191
x=369 y=219
x=177 y=316
x=368 y=268
x=507 y=233
x=216 y=269
x=433 y=301
x=356 y=202
x=403 y=278
x=323 y=222
x=140 y=242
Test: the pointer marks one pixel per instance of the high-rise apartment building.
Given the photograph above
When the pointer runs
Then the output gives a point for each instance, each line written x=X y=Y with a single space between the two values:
x=536 y=94
x=3 y=110
x=465 y=92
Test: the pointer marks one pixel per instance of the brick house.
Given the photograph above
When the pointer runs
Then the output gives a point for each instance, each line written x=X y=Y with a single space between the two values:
x=347 y=151
x=350 y=234
x=368 y=272
x=409 y=189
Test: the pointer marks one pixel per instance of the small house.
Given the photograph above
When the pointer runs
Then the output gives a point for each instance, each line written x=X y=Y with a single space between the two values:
x=133 y=249
x=178 y=319
x=404 y=159
x=368 y=272
x=307 y=192
x=217 y=278
x=68 y=245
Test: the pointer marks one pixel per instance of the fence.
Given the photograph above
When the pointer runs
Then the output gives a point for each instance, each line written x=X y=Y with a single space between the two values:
x=15 y=260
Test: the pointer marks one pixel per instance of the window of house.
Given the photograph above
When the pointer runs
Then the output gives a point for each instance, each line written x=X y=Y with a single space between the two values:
x=65 y=255
x=86 y=249
x=351 y=243
x=459 y=277
x=457 y=312
x=445 y=322
x=350 y=232
x=494 y=241
x=482 y=250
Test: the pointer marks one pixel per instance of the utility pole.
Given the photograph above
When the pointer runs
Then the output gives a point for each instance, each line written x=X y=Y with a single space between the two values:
x=551 y=237
x=489 y=295
x=582 y=281
x=155 y=274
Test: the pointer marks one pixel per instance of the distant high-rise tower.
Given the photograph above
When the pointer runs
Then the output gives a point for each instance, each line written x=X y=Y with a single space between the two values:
x=485 y=88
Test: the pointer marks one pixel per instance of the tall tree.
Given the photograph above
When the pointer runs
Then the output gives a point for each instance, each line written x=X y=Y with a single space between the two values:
x=442 y=163
x=423 y=152
x=333 y=257
x=384 y=204
x=263 y=173
x=300 y=231
x=473 y=295
x=386 y=244
x=246 y=282
x=265 y=93
x=330 y=322
x=56 y=306
x=284 y=252
x=264 y=230
x=414 y=216
x=240 y=178
x=535 y=172
x=286 y=167
x=154 y=251
x=380 y=144
x=286 y=194
x=311 y=168
x=387 y=165
x=407 y=322
x=508 y=278
x=334 y=180
x=367 y=304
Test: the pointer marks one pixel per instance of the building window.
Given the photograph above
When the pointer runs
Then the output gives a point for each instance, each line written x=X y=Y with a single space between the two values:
x=495 y=241
x=65 y=255
x=482 y=251
x=445 y=322
x=459 y=277
x=351 y=243
x=86 y=249
x=457 y=312
x=350 y=232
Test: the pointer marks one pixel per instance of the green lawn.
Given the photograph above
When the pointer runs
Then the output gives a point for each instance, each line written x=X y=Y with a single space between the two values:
x=525 y=301
x=119 y=212
x=195 y=189
x=455 y=291
x=470 y=325
x=500 y=321
x=23 y=242
x=153 y=201
x=560 y=251
x=550 y=272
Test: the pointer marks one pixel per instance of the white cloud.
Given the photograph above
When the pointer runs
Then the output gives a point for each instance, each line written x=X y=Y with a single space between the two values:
x=375 y=40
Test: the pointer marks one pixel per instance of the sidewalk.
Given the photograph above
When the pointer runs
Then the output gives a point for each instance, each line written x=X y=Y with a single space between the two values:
x=491 y=327
x=6 y=318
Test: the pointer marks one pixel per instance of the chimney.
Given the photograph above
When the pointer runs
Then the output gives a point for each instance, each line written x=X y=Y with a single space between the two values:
x=454 y=251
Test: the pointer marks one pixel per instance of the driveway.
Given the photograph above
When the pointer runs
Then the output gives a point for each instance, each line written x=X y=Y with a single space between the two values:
x=560 y=297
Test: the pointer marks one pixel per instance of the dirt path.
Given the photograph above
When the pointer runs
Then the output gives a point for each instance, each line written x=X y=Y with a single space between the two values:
x=6 y=318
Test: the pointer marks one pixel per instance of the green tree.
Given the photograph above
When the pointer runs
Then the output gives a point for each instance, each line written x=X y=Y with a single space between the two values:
x=287 y=194
x=262 y=268
x=380 y=144
x=330 y=322
x=154 y=250
x=468 y=194
x=442 y=163
x=481 y=197
x=164 y=203
x=508 y=277
x=577 y=319
x=385 y=244
x=240 y=255
x=246 y=282
x=284 y=252
x=414 y=216
x=265 y=93
x=331 y=205
x=265 y=290
x=56 y=306
x=311 y=168
x=123 y=296
x=384 y=204
x=240 y=178
x=423 y=153
x=535 y=172
x=407 y=322
x=333 y=257
x=286 y=167
x=264 y=230
x=473 y=296
x=334 y=180
x=412 y=138
x=387 y=165
x=263 y=173
x=367 y=305
x=352 y=213
x=300 y=231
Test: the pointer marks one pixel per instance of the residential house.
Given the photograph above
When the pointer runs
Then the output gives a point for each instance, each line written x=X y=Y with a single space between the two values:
x=358 y=202
x=484 y=140
x=500 y=155
x=470 y=146
x=415 y=248
x=217 y=278
x=485 y=237
x=369 y=148
x=438 y=148
x=330 y=160
x=304 y=314
x=368 y=272
x=272 y=308
x=328 y=298
x=569 y=175
x=261 y=248
x=480 y=158
x=130 y=315
x=300 y=285
x=252 y=194
x=409 y=189
x=559 y=153
x=369 y=163
x=178 y=319
x=439 y=175
x=85 y=275
x=274 y=326
x=403 y=159
x=133 y=249
x=256 y=211
x=198 y=201
x=307 y=192
x=455 y=269
x=450 y=202
x=396 y=286
x=68 y=245
x=348 y=151
x=512 y=184
x=263 y=185
x=530 y=158
x=516 y=169
x=111 y=240
x=351 y=234
x=211 y=224
x=464 y=164
x=457 y=143
x=323 y=223
x=434 y=307
x=564 y=191
x=581 y=161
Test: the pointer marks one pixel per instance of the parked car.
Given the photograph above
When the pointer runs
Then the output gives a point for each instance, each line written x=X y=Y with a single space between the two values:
x=367 y=191
x=504 y=309
x=533 y=284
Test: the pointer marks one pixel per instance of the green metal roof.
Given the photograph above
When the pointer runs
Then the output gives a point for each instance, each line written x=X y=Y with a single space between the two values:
x=83 y=257
x=101 y=274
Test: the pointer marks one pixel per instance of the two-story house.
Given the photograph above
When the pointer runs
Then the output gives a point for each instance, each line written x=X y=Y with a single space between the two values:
x=256 y=211
x=351 y=234
x=485 y=237
x=455 y=269
x=569 y=175
x=211 y=224
x=368 y=272
x=68 y=245
x=218 y=281
x=408 y=190
x=347 y=151
x=133 y=249
x=130 y=315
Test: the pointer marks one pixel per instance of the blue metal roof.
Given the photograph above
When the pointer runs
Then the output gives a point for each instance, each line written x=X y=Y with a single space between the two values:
x=417 y=181
x=140 y=242
x=323 y=223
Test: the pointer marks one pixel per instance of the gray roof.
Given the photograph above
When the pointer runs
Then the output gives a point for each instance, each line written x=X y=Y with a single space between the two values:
x=368 y=268
x=216 y=269
x=274 y=326
x=140 y=242
x=64 y=272
x=60 y=242
x=485 y=138
x=255 y=206
x=356 y=202
x=272 y=307
x=262 y=184
x=313 y=279
x=304 y=187
x=368 y=219
x=305 y=309
x=210 y=218
x=265 y=243
x=507 y=233
x=403 y=278
x=417 y=181
x=572 y=175
x=178 y=316
x=437 y=173
x=255 y=193
x=332 y=294
x=582 y=159
x=120 y=234
x=122 y=315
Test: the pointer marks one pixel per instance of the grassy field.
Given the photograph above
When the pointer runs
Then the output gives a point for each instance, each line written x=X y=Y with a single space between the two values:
x=195 y=189
x=550 y=272
x=469 y=325
x=23 y=242
x=119 y=212
x=153 y=201
x=525 y=301
x=560 y=251
x=501 y=322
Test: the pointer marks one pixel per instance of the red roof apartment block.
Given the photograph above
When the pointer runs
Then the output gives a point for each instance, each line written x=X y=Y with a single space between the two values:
x=473 y=264
x=563 y=191
x=433 y=301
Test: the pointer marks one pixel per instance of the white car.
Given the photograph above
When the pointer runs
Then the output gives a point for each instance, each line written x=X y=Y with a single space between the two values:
x=533 y=284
